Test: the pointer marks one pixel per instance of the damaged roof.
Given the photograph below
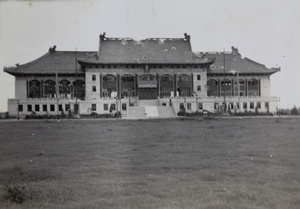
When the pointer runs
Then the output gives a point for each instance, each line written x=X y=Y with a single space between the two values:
x=148 y=51
x=62 y=61
x=235 y=62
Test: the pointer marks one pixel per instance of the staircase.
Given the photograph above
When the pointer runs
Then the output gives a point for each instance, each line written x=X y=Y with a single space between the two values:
x=148 y=109
x=166 y=112
x=144 y=103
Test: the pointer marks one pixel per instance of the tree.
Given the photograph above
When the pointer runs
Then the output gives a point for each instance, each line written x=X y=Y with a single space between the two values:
x=294 y=111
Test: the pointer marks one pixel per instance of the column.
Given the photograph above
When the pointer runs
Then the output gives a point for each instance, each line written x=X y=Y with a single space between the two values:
x=175 y=85
x=259 y=87
x=42 y=89
x=232 y=87
x=101 y=85
x=118 y=86
x=158 y=84
x=136 y=85
x=219 y=88
x=28 y=89
x=192 y=84
x=246 y=87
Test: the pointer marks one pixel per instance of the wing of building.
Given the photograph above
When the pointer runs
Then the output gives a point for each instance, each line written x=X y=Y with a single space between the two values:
x=155 y=77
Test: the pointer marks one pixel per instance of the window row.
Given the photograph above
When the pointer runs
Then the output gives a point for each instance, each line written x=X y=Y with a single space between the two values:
x=245 y=105
x=46 y=108
x=163 y=78
x=109 y=107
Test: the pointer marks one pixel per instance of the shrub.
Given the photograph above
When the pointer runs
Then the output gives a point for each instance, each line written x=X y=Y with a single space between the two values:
x=15 y=194
x=294 y=111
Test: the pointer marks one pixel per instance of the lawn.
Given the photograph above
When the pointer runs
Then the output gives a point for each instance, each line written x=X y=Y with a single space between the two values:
x=178 y=163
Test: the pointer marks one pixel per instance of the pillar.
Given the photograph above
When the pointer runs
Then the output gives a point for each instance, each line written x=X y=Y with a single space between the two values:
x=246 y=87
x=158 y=85
x=28 y=89
x=118 y=86
x=101 y=85
x=42 y=89
x=232 y=87
x=192 y=84
x=136 y=85
x=175 y=85
x=219 y=88
x=259 y=87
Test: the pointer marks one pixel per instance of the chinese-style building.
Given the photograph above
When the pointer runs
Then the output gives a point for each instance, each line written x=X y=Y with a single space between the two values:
x=155 y=77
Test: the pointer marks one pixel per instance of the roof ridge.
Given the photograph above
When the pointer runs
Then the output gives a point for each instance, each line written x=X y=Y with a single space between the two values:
x=247 y=59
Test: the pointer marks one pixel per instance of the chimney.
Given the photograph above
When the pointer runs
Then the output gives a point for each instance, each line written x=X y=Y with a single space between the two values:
x=188 y=38
x=101 y=38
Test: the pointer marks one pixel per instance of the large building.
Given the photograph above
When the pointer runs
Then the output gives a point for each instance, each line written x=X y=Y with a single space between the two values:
x=155 y=77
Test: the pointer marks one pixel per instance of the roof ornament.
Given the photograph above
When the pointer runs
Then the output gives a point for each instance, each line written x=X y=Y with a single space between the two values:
x=102 y=36
x=188 y=37
x=235 y=51
x=52 y=49
x=18 y=64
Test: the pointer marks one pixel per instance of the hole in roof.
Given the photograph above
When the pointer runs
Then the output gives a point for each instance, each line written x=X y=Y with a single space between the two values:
x=161 y=40
x=124 y=42
x=212 y=66
x=145 y=57
x=165 y=50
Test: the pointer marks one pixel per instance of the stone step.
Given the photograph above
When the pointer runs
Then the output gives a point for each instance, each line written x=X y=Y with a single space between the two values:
x=153 y=102
x=166 y=112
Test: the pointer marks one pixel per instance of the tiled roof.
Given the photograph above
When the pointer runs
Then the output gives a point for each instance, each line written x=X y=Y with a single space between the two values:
x=234 y=62
x=65 y=64
x=148 y=51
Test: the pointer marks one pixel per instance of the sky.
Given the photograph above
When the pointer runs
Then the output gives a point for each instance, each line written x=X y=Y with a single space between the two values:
x=266 y=31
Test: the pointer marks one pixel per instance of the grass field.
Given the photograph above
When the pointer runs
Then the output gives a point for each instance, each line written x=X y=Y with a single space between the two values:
x=224 y=163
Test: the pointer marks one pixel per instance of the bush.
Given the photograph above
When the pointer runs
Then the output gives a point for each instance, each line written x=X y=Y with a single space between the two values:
x=15 y=194
x=294 y=111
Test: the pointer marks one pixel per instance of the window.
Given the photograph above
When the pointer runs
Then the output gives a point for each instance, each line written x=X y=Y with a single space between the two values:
x=94 y=107
x=29 y=108
x=20 y=108
x=67 y=107
x=181 y=106
x=258 y=105
x=245 y=105
x=94 y=88
x=200 y=106
x=251 y=105
x=189 y=106
x=76 y=107
x=164 y=104
x=198 y=77
x=124 y=106
x=238 y=106
x=216 y=106
x=45 y=108
x=37 y=108
x=105 y=107
x=93 y=77
x=112 y=107
x=60 y=107
x=266 y=105
x=231 y=106
x=198 y=88
x=52 y=108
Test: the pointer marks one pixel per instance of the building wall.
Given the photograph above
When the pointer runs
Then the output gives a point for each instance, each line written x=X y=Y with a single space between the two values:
x=20 y=88
x=202 y=83
x=265 y=86
x=89 y=83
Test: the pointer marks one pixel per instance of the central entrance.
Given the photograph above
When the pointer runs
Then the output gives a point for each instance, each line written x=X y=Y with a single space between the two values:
x=147 y=93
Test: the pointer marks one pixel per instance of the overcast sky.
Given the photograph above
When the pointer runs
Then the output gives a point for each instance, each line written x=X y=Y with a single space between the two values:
x=266 y=31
